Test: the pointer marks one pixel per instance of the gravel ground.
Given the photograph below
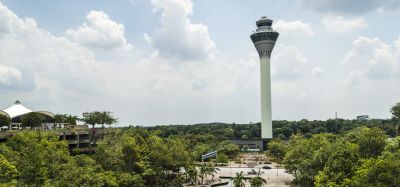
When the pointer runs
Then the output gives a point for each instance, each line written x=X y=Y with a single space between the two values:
x=274 y=176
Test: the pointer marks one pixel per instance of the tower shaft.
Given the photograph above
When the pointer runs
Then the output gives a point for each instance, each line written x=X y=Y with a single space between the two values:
x=266 y=109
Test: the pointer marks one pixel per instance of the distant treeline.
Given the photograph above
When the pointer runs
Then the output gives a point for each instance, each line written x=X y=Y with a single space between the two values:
x=281 y=129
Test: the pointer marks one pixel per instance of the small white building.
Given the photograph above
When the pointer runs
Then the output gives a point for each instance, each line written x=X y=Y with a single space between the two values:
x=17 y=110
x=363 y=118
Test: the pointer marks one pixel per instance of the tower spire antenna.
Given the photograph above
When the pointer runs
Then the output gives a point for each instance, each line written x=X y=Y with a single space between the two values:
x=264 y=39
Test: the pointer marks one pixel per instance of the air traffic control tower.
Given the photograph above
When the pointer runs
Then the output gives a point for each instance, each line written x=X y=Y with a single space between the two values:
x=264 y=39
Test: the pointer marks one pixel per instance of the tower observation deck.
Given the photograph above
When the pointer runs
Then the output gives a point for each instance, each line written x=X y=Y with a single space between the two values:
x=264 y=39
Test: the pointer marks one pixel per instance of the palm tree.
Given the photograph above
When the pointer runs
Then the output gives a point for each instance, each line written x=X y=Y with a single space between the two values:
x=191 y=173
x=257 y=181
x=203 y=173
x=238 y=181
x=211 y=170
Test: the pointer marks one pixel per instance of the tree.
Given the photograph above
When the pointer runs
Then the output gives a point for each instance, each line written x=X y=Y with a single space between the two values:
x=378 y=172
x=65 y=118
x=371 y=141
x=38 y=156
x=228 y=148
x=277 y=149
x=8 y=171
x=191 y=173
x=212 y=170
x=302 y=160
x=395 y=110
x=99 y=118
x=32 y=120
x=221 y=158
x=238 y=180
x=257 y=181
x=4 y=120
x=340 y=166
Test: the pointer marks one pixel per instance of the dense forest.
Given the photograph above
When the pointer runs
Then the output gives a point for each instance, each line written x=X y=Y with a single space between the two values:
x=281 y=129
x=124 y=157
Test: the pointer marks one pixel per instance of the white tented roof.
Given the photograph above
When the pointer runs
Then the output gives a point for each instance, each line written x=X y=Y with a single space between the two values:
x=17 y=109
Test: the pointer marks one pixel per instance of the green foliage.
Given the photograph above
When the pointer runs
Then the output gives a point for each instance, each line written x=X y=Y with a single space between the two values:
x=257 y=181
x=222 y=158
x=277 y=149
x=191 y=174
x=395 y=110
x=306 y=157
x=281 y=129
x=8 y=171
x=133 y=157
x=371 y=141
x=345 y=160
x=238 y=180
x=381 y=171
x=99 y=118
x=340 y=166
x=384 y=171
x=150 y=159
x=4 y=120
x=32 y=120
x=228 y=148
x=65 y=118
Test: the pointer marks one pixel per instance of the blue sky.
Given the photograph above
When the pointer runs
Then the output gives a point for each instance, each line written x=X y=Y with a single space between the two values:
x=182 y=61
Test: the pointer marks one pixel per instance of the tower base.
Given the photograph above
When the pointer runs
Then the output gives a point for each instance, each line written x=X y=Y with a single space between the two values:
x=253 y=143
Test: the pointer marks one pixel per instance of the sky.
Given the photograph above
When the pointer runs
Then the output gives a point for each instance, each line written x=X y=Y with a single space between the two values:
x=157 y=62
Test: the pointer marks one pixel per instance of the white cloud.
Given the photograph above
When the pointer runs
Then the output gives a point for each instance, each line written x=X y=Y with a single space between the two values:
x=99 y=32
x=339 y=24
x=376 y=59
x=355 y=77
x=61 y=74
x=318 y=72
x=287 y=63
x=294 y=28
x=178 y=36
x=9 y=74
x=362 y=49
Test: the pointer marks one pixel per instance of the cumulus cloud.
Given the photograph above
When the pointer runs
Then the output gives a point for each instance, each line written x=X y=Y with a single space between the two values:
x=65 y=75
x=294 y=28
x=288 y=63
x=9 y=74
x=341 y=25
x=350 y=7
x=376 y=59
x=31 y=52
x=99 y=32
x=178 y=36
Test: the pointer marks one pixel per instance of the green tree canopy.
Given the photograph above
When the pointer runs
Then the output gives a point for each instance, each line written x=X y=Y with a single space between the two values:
x=32 y=120
x=99 y=117
x=221 y=158
x=371 y=141
x=65 y=118
x=306 y=157
x=8 y=171
x=277 y=149
x=342 y=162
x=4 y=120
x=395 y=110
x=228 y=148
x=381 y=171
